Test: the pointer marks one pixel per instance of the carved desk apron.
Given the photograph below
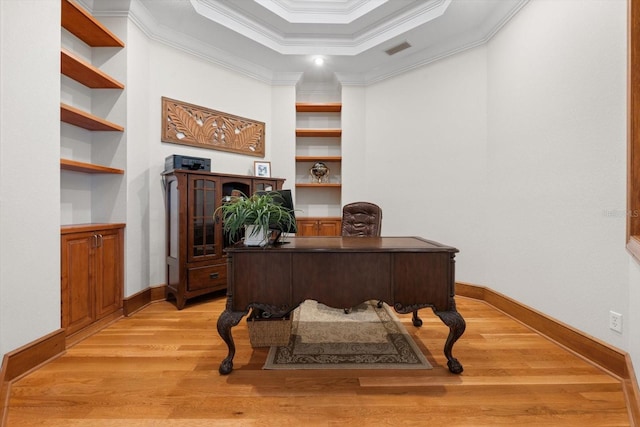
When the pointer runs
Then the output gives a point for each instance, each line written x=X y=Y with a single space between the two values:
x=408 y=273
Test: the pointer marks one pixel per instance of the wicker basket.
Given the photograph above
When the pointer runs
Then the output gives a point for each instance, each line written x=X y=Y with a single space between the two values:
x=268 y=332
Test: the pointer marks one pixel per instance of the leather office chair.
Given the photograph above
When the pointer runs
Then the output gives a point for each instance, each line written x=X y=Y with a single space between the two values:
x=361 y=219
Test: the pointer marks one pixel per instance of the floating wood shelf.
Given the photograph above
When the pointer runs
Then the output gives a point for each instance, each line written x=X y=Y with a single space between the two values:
x=310 y=184
x=85 y=73
x=84 y=26
x=326 y=133
x=327 y=107
x=318 y=158
x=75 y=166
x=76 y=117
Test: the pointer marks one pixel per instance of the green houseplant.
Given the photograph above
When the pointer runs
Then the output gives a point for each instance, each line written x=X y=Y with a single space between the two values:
x=253 y=217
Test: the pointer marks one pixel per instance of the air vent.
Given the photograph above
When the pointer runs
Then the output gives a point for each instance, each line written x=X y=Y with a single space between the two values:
x=399 y=48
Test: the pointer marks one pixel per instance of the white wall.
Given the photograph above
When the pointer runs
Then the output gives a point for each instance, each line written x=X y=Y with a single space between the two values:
x=425 y=152
x=282 y=144
x=354 y=148
x=632 y=323
x=515 y=152
x=187 y=78
x=29 y=171
x=139 y=251
x=556 y=162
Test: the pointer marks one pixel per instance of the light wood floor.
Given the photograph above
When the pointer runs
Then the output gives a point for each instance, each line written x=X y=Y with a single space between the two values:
x=159 y=367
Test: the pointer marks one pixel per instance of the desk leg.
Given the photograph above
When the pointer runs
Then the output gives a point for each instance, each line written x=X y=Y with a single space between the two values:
x=456 y=325
x=226 y=321
x=417 y=321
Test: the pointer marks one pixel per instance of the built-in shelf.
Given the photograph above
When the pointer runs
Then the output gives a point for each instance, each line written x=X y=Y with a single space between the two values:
x=318 y=120
x=91 y=226
x=77 y=117
x=85 y=73
x=323 y=133
x=75 y=166
x=311 y=184
x=85 y=27
x=318 y=158
x=310 y=107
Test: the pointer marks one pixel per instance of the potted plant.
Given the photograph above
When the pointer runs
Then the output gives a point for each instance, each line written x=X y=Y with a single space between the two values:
x=254 y=217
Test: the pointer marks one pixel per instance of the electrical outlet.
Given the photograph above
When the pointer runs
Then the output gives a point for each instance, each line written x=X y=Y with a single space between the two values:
x=615 y=321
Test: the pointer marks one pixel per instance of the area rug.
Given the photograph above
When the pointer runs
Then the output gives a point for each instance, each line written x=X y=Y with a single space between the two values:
x=327 y=338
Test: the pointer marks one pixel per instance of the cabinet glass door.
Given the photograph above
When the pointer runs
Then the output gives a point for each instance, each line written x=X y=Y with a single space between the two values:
x=264 y=185
x=202 y=234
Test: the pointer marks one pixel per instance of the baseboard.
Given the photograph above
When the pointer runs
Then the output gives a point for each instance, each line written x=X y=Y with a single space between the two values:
x=632 y=393
x=5 y=392
x=591 y=348
x=158 y=293
x=143 y=298
x=136 y=302
x=604 y=355
x=28 y=357
x=93 y=328
x=24 y=359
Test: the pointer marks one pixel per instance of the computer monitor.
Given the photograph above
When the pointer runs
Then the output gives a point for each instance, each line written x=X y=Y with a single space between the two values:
x=284 y=199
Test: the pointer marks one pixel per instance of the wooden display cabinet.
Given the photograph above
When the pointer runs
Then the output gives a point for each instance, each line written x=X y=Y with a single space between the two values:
x=92 y=273
x=196 y=263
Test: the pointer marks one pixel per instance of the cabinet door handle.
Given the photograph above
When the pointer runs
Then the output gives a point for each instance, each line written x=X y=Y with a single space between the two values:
x=95 y=241
x=99 y=240
x=213 y=275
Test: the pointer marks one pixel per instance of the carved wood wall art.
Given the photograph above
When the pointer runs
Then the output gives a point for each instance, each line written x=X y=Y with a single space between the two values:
x=189 y=124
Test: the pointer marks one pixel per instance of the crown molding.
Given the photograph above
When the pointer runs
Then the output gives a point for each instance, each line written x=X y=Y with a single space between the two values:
x=286 y=78
x=138 y=14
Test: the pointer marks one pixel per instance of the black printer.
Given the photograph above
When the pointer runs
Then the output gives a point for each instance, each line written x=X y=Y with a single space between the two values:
x=177 y=161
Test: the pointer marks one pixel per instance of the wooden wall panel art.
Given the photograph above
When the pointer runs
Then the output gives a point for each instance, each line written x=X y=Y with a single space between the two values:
x=189 y=124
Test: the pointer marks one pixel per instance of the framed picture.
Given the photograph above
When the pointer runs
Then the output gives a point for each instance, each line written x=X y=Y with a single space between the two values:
x=262 y=169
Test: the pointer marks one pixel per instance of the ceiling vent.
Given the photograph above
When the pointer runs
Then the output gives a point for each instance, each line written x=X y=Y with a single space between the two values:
x=398 y=48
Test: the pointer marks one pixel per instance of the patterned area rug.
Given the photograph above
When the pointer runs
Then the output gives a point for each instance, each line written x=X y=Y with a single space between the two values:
x=326 y=338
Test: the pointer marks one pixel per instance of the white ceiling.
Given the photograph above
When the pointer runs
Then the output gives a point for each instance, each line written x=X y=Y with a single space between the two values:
x=276 y=40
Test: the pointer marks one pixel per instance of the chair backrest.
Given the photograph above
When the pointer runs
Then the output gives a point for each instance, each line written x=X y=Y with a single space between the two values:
x=361 y=219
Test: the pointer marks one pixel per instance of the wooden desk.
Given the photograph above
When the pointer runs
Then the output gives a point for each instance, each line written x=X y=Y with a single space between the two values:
x=408 y=273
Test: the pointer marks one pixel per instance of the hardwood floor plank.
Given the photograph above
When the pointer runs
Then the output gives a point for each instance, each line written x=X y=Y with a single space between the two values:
x=159 y=367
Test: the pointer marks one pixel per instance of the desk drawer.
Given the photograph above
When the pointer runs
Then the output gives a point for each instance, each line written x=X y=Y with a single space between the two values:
x=207 y=277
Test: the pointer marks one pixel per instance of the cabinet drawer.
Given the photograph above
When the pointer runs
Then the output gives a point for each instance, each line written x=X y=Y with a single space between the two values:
x=207 y=277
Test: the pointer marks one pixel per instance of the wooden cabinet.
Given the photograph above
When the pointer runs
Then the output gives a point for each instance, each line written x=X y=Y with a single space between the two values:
x=196 y=262
x=92 y=273
x=319 y=226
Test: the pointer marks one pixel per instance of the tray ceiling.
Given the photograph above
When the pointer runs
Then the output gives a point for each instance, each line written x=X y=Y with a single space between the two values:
x=361 y=41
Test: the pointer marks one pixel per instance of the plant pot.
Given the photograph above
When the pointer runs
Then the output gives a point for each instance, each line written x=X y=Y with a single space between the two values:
x=255 y=235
